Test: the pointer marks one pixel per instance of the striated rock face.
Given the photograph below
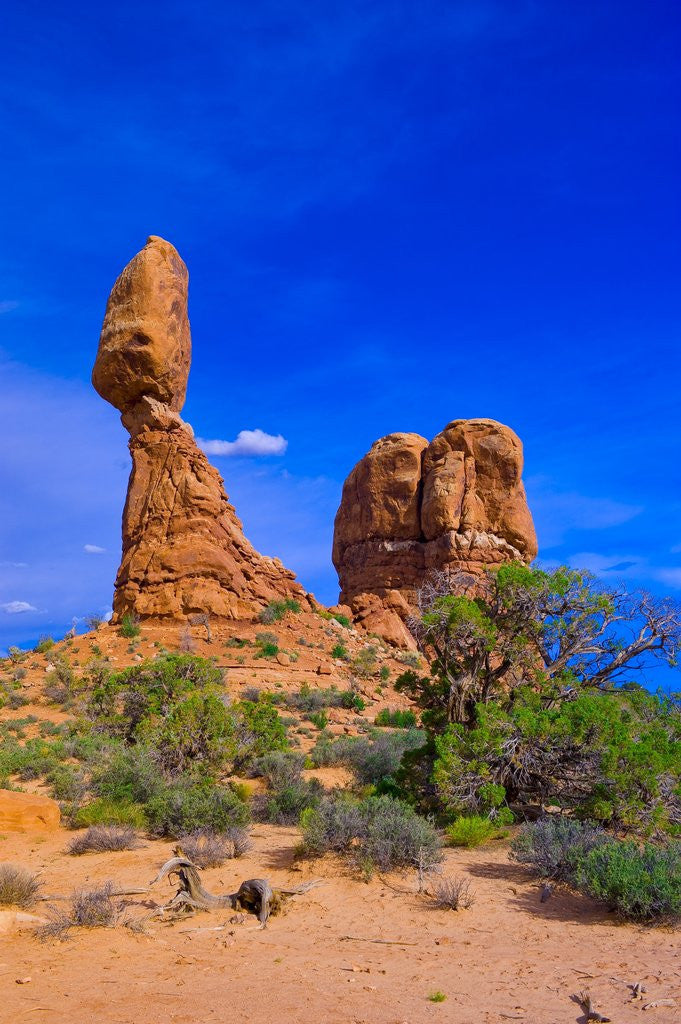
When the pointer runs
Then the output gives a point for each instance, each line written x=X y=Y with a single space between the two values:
x=410 y=507
x=184 y=551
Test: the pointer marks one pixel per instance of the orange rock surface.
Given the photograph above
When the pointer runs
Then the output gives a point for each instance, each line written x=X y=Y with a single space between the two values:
x=27 y=812
x=184 y=550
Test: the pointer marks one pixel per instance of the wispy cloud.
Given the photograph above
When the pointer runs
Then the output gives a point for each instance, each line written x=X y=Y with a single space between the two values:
x=7 y=306
x=93 y=549
x=556 y=512
x=619 y=566
x=17 y=607
x=249 y=442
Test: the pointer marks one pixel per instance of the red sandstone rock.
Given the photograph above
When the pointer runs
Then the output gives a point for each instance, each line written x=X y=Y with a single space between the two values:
x=184 y=551
x=409 y=507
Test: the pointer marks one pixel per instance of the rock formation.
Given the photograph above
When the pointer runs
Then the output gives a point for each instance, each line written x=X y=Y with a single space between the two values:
x=184 y=551
x=410 y=507
x=27 y=812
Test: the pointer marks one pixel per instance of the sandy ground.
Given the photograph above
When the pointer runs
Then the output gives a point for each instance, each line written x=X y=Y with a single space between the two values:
x=509 y=957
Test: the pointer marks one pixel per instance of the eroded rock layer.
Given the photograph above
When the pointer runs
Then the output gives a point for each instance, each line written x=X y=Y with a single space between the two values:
x=410 y=507
x=184 y=550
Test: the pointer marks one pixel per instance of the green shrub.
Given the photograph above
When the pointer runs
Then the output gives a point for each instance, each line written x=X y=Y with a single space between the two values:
x=319 y=718
x=44 y=644
x=132 y=701
x=197 y=732
x=641 y=884
x=129 y=627
x=471 y=831
x=396 y=719
x=340 y=651
x=267 y=645
x=276 y=610
x=351 y=700
x=186 y=806
x=379 y=832
x=260 y=729
x=553 y=845
x=125 y=774
x=104 y=811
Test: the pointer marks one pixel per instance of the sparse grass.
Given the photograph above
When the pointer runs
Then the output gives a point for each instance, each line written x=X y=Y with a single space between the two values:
x=437 y=997
x=453 y=894
x=18 y=887
x=365 y=663
x=105 y=839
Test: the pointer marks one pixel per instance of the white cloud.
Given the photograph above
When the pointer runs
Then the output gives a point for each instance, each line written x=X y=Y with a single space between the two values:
x=13 y=565
x=17 y=607
x=93 y=549
x=248 y=442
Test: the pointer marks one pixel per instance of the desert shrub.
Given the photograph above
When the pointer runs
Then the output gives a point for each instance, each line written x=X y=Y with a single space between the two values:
x=90 y=908
x=372 y=759
x=436 y=997
x=319 y=718
x=276 y=610
x=452 y=894
x=198 y=731
x=364 y=664
x=128 y=703
x=67 y=782
x=285 y=805
x=44 y=644
x=187 y=806
x=208 y=849
x=640 y=883
x=471 y=830
x=125 y=774
x=260 y=729
x=332 y=826
x=379 y=832
x=280 y=768
x=129 y=627
x=104 y=811
x=16 y=699
x=18 y=887
x=289 y=794
x=267 y=645
x=396 y=719
x=94 y=621
x=31 y=760
x=351 y=701
x=104 y=839
x=340 y=651
x=553 y=845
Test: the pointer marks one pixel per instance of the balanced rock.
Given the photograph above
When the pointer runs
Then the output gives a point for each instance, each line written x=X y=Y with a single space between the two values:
x=410 y=507
x=184 y=550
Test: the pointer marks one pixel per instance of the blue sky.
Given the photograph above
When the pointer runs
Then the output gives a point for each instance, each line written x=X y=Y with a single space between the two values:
x=393 y=214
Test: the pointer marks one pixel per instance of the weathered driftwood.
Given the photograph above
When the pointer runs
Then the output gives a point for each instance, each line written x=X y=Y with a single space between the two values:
x=255 y=895
x=584 y=1000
